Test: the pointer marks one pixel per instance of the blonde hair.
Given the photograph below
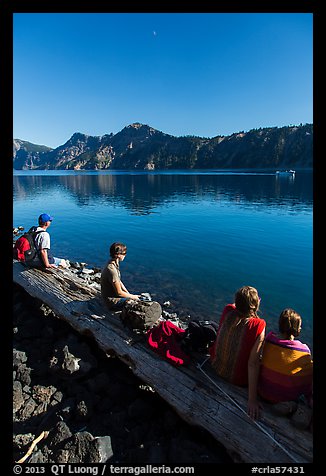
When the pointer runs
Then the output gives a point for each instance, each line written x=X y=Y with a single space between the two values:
x=289 y=323
x=247 y=301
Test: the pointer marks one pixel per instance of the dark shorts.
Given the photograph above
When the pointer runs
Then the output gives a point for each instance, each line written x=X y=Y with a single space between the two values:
x=38 y=262
x=119 y=305
x=50 y=257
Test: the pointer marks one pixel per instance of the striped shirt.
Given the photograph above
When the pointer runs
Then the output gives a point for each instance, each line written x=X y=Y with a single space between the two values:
x=236 y=337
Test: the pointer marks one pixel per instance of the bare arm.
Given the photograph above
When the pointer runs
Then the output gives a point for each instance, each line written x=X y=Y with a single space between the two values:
x=123 y=287
x=45 y=259
x=253 y=373
x=122 y=291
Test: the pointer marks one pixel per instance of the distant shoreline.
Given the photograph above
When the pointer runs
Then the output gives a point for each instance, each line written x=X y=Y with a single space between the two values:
x=233 y=171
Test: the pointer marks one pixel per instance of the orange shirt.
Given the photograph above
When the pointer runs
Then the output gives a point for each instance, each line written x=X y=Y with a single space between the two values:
x=231 y=349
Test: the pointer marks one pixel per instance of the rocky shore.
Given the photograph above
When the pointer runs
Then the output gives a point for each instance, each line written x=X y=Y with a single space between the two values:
x=87 y=407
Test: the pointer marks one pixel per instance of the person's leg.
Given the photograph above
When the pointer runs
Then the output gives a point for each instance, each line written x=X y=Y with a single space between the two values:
x=36 y=263
x=119 y=305
x=60 y=262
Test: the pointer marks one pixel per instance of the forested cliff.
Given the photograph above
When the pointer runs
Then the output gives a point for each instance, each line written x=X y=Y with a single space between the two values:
x=142 y=147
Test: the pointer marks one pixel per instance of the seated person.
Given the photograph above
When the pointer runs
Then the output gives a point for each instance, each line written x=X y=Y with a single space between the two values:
x=113 y=291
x=42 y=244
x=235 y=354
x=286 y=367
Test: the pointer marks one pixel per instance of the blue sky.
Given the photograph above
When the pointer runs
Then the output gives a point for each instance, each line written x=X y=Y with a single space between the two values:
x=202 y=74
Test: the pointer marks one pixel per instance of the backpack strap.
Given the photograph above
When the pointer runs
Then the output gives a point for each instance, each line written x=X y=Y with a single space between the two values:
x=34 y=233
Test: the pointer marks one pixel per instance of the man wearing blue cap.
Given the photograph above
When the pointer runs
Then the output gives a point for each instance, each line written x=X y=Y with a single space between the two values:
x=42 y=243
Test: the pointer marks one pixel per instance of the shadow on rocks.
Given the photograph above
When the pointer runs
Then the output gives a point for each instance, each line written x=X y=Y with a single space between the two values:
x=92 y=407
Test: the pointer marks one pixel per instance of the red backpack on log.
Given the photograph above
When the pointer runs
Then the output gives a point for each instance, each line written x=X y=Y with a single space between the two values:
x=165 y=340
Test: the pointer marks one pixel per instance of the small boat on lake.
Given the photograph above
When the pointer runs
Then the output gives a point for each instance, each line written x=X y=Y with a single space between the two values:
x=285 y=173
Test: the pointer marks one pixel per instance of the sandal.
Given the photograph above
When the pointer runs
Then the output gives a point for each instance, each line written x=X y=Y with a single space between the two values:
x=284 y=408
x=302 y=417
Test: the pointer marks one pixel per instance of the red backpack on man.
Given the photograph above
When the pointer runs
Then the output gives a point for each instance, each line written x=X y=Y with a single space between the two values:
x=24 y=248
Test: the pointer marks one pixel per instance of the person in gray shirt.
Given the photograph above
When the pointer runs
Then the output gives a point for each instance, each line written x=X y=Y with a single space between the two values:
x=113 y=291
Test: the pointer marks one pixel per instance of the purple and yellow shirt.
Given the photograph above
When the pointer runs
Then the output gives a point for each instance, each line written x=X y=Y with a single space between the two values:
x=286 y=370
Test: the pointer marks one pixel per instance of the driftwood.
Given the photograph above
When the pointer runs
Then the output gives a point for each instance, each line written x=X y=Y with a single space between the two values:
x=196 y=394
x=44 y=434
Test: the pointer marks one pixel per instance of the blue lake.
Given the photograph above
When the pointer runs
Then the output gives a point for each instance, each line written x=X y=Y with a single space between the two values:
x=193 y=237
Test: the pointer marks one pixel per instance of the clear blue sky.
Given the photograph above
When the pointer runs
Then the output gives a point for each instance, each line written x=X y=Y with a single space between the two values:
x=203 y=74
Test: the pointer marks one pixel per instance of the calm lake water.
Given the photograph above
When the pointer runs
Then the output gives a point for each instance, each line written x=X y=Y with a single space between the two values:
x=193 y=237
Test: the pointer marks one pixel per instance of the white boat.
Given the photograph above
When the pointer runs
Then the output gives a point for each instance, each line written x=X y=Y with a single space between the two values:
x=290 y=173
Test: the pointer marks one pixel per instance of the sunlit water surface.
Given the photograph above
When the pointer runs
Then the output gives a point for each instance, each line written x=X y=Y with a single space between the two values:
x=193 y=238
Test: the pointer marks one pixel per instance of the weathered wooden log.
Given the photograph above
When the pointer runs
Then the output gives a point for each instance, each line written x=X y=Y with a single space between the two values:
x=196 y=393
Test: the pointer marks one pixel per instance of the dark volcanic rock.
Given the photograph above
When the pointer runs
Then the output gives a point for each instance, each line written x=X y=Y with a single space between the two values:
x=83 y=447
x=72 y=358
x=92 y=408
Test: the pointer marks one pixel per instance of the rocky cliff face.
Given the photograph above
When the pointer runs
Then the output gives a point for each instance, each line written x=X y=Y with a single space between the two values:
x=27 y=155
x=139 y=146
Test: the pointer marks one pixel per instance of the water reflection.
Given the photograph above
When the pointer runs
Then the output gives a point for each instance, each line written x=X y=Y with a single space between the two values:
x=257 y=229
x=141 y=194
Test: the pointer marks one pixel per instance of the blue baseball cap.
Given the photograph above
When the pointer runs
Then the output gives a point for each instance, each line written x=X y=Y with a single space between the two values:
x=44 y=218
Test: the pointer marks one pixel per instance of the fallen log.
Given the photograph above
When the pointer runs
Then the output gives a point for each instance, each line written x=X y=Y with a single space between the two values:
x=195 y=392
